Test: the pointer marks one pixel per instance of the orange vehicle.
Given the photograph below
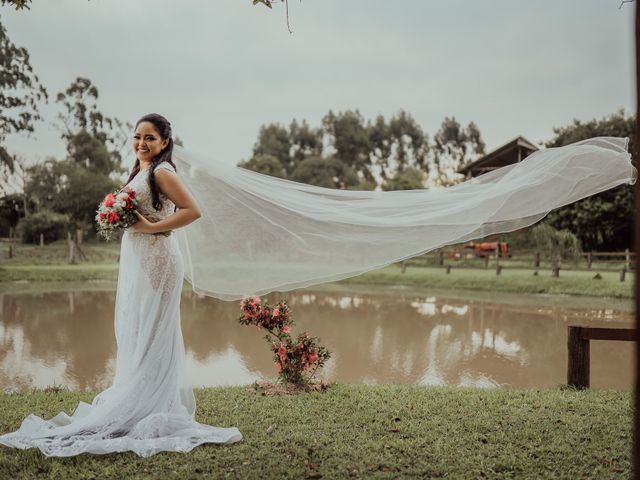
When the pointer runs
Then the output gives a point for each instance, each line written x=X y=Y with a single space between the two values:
x=483 y=249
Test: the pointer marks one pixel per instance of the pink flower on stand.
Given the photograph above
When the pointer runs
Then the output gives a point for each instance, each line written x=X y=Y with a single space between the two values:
x=282 y=353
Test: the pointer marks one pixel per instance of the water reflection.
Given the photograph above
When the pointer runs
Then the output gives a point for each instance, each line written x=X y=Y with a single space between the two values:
x=66 y=338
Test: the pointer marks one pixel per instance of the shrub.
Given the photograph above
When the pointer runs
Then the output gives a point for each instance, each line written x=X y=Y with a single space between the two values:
x=547 y=240
x=51 y=224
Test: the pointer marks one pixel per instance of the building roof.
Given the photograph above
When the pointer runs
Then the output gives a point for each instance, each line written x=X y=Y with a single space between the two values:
x=507 y=150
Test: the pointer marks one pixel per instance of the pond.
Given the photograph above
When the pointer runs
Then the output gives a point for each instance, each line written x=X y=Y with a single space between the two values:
x=64 y=336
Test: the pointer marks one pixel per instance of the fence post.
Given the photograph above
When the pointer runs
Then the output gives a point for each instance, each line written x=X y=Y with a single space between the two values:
x=79 y=236
x=10 y=249
x=403 y=267
x=622 y=273
x=72 y=252
x=41 y=240
x=536 y=262
x=448 y=269
x=627 y=259
x=589 y=260
x=441 y=258
x=555 y=272
x=578 y=359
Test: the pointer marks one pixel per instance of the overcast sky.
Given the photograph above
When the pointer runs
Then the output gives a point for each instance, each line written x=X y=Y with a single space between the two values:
x=220 y=69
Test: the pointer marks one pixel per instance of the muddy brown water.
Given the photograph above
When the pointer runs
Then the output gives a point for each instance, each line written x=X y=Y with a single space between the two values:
x=63 y=335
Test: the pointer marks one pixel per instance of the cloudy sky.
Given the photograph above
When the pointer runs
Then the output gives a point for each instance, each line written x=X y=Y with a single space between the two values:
x=220 y=69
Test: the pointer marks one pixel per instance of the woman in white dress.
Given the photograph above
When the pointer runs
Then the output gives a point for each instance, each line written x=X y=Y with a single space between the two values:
x=150 y=405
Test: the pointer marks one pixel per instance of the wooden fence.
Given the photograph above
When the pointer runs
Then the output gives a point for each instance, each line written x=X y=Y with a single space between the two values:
x=621 y=262
x=578 y=348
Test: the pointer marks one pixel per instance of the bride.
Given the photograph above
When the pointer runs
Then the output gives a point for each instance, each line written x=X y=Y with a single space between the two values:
x=150 y=405
x=260 y=234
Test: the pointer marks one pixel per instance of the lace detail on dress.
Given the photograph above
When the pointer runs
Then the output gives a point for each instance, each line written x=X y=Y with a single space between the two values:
x=157 y=252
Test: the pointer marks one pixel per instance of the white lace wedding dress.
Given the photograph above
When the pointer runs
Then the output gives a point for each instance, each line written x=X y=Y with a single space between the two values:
x=150 y=406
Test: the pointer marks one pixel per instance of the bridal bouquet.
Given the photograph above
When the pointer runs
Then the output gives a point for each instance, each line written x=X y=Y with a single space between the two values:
x=116 y=211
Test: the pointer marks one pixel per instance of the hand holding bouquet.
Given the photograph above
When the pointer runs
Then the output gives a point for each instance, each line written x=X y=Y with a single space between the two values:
x=116 y=211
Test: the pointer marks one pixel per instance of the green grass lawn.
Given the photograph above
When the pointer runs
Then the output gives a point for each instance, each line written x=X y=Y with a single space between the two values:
x=363 y=431
x=32 y=263
x=517 y=281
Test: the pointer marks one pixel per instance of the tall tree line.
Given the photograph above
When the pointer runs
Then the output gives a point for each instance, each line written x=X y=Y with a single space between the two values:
x=346 y=151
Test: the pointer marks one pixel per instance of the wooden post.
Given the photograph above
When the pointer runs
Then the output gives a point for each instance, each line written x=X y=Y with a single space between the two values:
x=10 y=232
x=498 y=269
x=72 y=250
x=589 y=260
x=555 y=271
x=10 y=249
x=578 y=358
x=41 y=240
x=448 y=269
x=622 y=273
x=403 y=267
x=627 y=259
x=79 y=236
x=441 y=258
x=536 y=262
x=635 y=451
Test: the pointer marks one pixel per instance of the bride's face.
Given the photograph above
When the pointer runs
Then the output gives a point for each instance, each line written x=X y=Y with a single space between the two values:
x=147 y=142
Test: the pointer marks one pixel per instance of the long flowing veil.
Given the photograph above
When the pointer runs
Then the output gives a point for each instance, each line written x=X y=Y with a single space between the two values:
x=259 y=233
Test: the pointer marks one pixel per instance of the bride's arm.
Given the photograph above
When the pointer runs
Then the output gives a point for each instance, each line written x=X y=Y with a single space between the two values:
x=170 y=185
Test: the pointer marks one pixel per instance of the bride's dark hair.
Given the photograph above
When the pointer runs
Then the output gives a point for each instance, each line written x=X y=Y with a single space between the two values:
x=163 y=127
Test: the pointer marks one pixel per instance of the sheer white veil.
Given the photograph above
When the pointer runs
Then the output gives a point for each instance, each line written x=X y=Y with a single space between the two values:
x=259 y=234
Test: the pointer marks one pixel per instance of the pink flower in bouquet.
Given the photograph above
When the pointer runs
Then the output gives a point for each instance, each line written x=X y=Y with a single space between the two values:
x=109 y=200
x=113 y=217
x=276 y=312
x=286 y=329
x=278 y=366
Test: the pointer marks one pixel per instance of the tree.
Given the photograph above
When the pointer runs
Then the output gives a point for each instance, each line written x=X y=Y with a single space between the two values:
x=602 y=221
x=63 y=186
x=92 y=137
x=273 y=140
x=266 y=164
x=410 y=178
x=18 y=4
x=21 y=91
x=325 y=172
x=12 y=209
x=453 y=146
x=304 y=141
x=398 y=144
x=349 y=138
